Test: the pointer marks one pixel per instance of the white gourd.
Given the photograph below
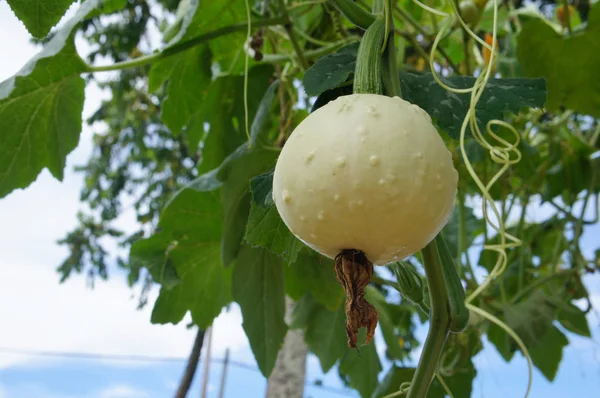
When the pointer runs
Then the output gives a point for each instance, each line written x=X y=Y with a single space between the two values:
x=365 y=172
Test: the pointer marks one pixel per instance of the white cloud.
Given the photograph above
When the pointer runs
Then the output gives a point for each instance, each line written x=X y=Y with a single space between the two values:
x=46 y=316
x=121 y=391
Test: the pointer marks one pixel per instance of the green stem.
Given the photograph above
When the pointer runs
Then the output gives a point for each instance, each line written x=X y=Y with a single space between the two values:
x=355 y=13
x=389 y=68
x=289 y=28
x=462 y=237
x=521 y=281
x=183 y=46
x=439 y=326
x=311 y=54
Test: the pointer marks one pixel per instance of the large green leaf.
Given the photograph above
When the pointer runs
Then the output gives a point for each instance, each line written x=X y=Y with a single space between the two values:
x=265 y=227
x=258 y=287
x=574 y=320
x=39 y=16
x=236 y=197
x=448 y=109
x=472 y=227
x=40 y=110
x=530 y=318
x=331 y=70
x=190 y=237
x=223 y=111
x=325 y=331
x=153 y=253
x=189 y=76
x=211 y=15
x=362 y=370
x=569 y=64
x=315 y=273
x=547 y=354
x=387 y=320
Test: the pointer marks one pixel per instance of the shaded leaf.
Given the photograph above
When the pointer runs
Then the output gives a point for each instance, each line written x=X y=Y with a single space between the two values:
x=40 y=110
x=547 y=354
x=152 y=254
x=236 y=198
x=258 y=287
x=315 y=273
x=448 y=109
x=190 y=236
x=265 y=227
x=473 y=227
x=387 y=321
x=326 y=335
x=574 y=320
x=568 y=64
x=330 y=71
x=362 y=370
x=189 y=76
x=39 y=16
x=305 y=306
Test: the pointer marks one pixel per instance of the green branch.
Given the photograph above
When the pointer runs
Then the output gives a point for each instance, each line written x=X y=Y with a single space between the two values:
x=312 y=54
x=183 y=46
x=355 y=13
x=439 y=325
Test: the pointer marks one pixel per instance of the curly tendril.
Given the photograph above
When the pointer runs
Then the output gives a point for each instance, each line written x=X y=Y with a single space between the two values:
x=501 y=151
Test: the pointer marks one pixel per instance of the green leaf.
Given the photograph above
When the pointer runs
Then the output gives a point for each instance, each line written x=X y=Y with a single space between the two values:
x=330 y=71
x=265 y=227
x=189 y=76
x=190 y=234
x=362 y=370
x=305 y=306
x=574 y=320
x=315 y=273
x=326 y=335
x=40 y=110
x=258 y=287
x=569 y=64
x=236 y=198
x=211 y=15
x=448 y=109
x=223 y=110
x=39 y=16
x=547 y=354
x=473 y=227
x=151 y=253
x=530 y=318
x=387 y=321
x=106 y=7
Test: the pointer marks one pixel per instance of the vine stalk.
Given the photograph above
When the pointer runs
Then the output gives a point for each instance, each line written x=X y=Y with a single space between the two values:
x=439 y=323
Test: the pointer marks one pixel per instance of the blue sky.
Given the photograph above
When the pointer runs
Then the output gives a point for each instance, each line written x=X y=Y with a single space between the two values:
x=38 y=314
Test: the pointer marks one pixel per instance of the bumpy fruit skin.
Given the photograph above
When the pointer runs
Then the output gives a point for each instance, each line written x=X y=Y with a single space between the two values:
x=365 y=172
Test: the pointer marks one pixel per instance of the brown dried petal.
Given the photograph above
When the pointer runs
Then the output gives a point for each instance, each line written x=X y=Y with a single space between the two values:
x=354 y=272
